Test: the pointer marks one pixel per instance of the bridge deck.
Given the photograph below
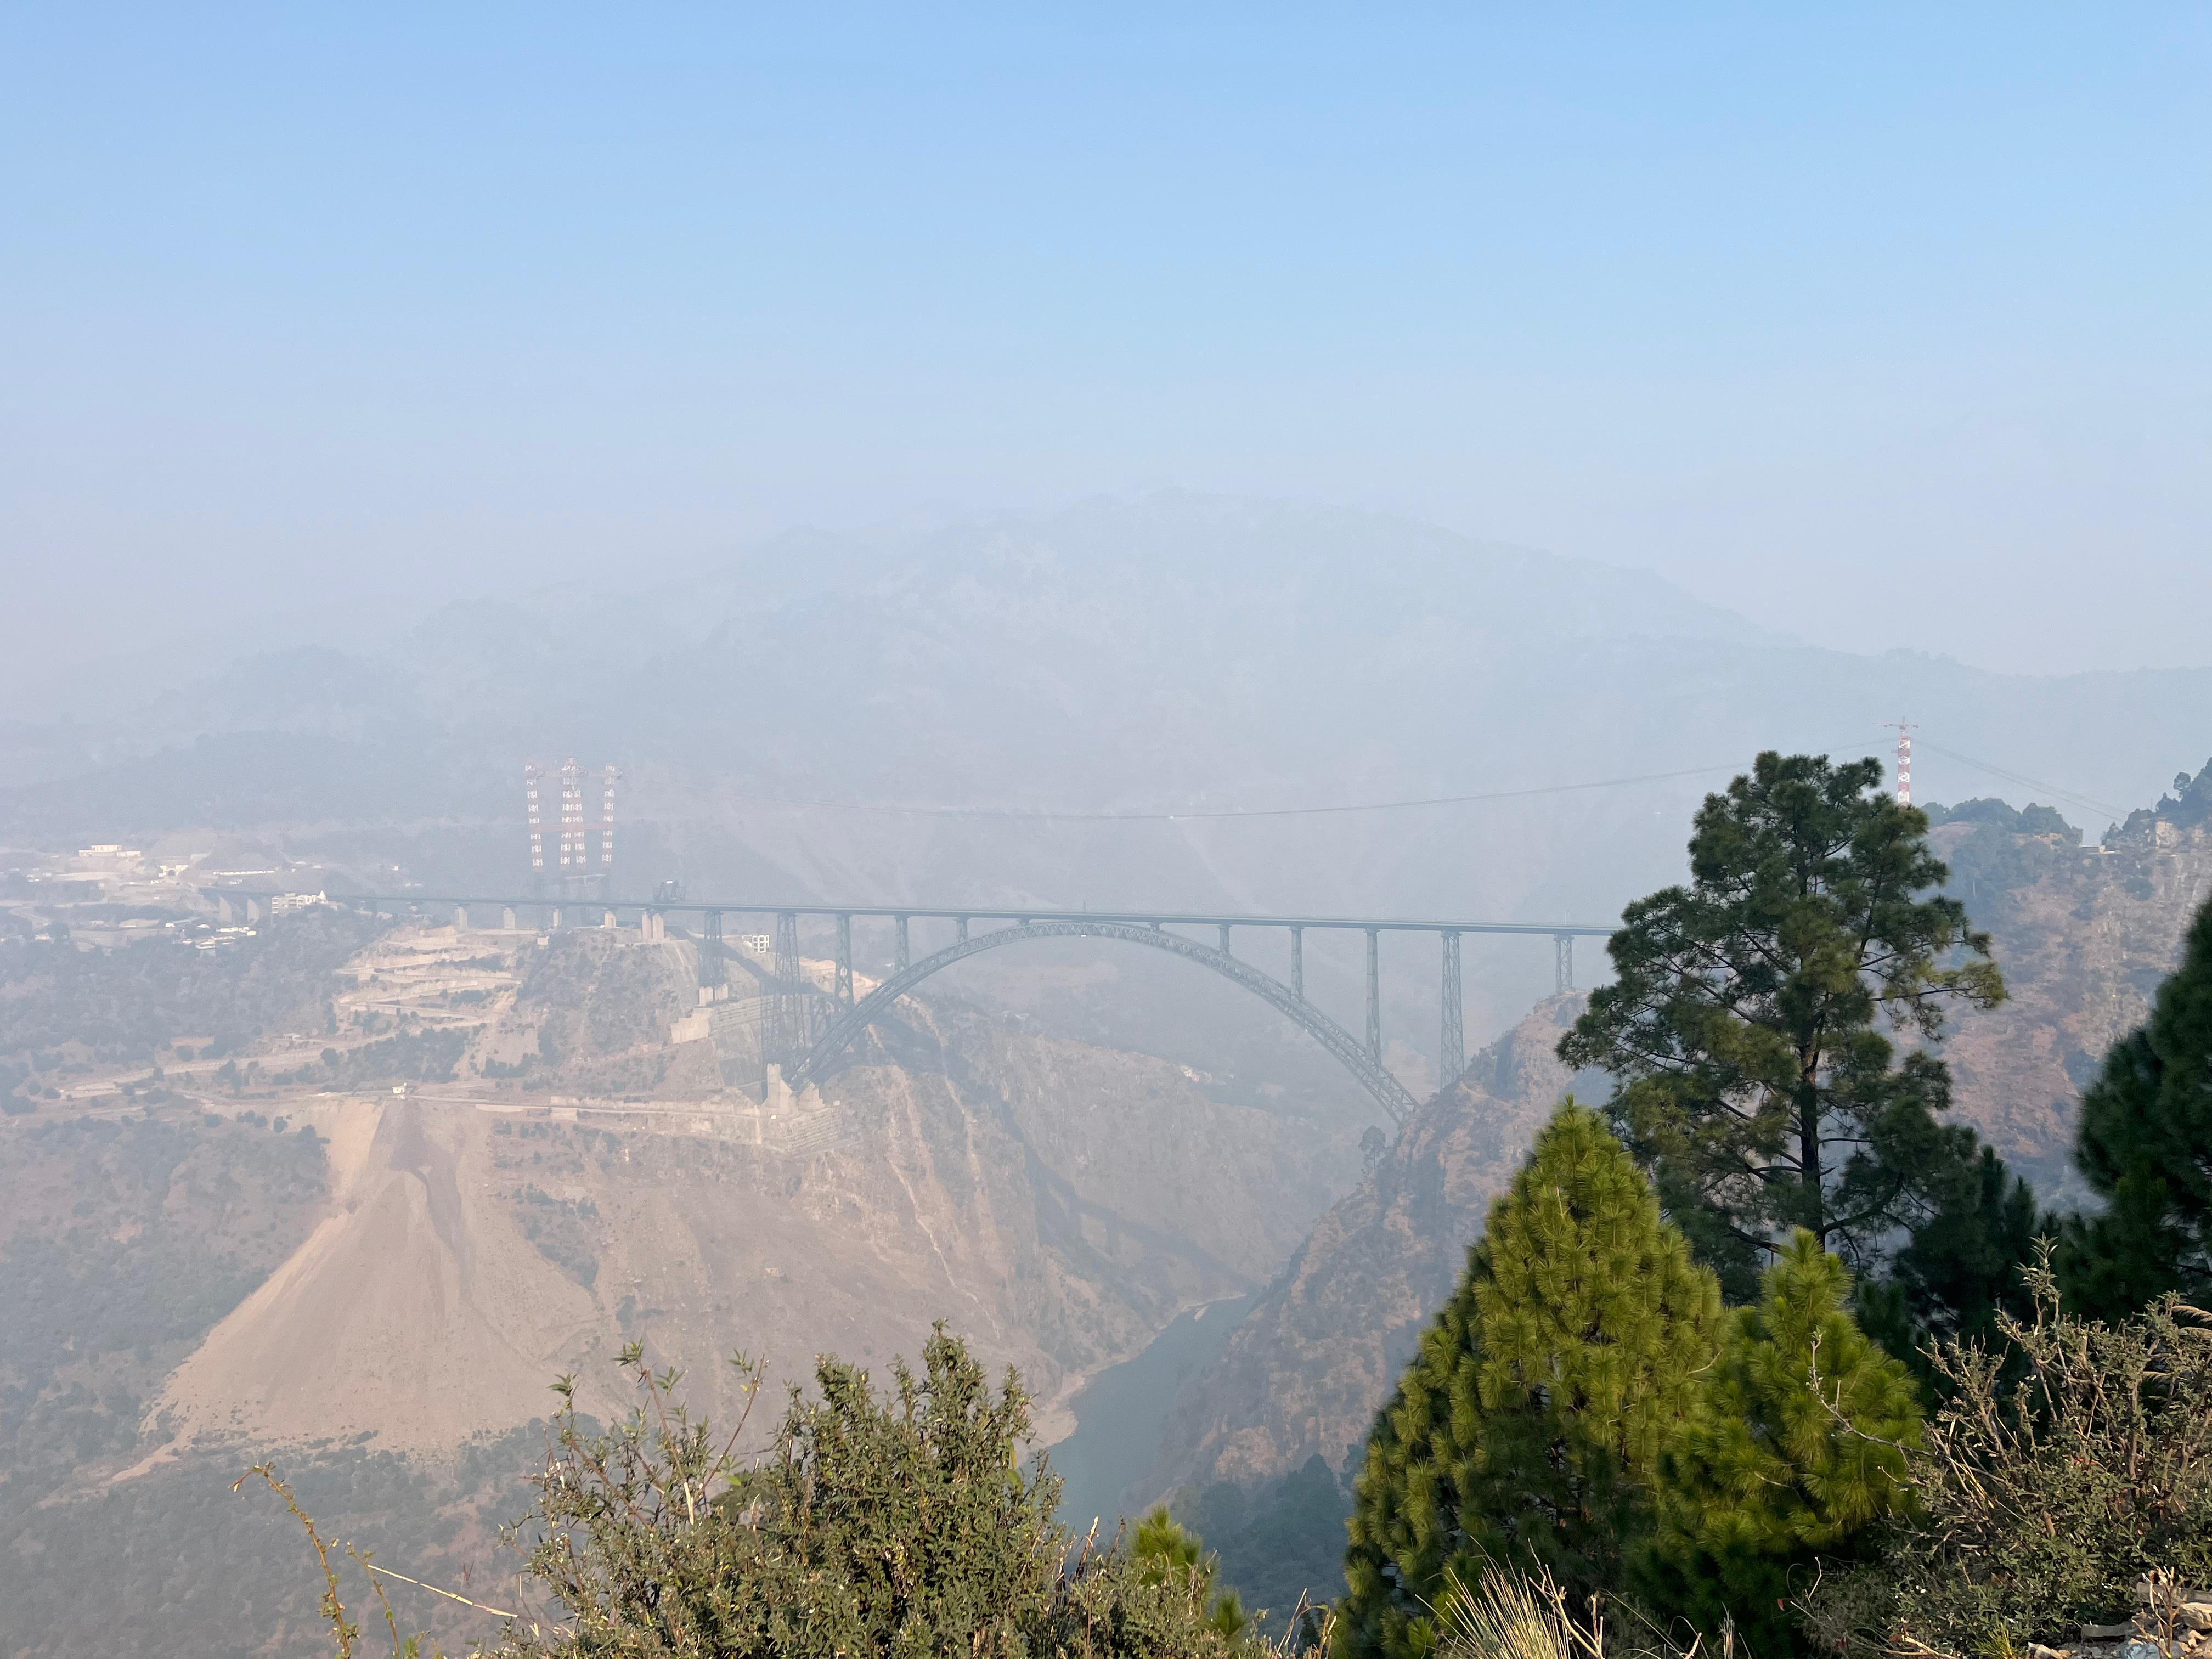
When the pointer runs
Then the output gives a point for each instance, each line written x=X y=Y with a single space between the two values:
x=789 y=995
x=1015 y=913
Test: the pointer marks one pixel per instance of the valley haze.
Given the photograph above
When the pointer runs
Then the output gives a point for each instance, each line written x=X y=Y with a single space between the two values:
x=571 y=580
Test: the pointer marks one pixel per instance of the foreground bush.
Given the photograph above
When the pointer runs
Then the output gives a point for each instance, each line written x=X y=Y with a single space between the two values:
x=894 y=1525
x=2043 y=1504
x=1166 y=1552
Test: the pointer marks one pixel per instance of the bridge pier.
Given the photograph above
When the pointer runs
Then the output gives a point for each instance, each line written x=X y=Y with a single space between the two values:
x=222 y=915
x=789 y=1032
x=1451 y=1048
x=1298 y=963
x=1375 y=995
x=1563 y=966
x=903 y=956
x=845 y=960
x=507 y=918
x=712 y=974
x=1225 y=950
x=553 y=922
x=962 y=925
x=460 y=918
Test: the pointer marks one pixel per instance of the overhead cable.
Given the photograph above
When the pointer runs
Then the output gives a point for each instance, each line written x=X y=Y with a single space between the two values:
x=2070 y=795
x=1045 y=816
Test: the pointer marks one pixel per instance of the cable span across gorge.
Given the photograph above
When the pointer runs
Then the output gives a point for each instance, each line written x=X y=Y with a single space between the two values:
x=1043 y=815
x=1046 y=815
x=2074 y=796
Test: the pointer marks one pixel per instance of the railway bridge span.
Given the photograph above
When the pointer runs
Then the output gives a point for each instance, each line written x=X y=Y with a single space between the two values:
x=807 y=1038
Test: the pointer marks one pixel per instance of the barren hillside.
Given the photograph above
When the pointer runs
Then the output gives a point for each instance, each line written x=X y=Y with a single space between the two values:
x=2084 y=936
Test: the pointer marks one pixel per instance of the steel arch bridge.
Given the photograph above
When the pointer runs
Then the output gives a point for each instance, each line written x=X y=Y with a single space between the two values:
x=845 y=1030
x=796 y=1038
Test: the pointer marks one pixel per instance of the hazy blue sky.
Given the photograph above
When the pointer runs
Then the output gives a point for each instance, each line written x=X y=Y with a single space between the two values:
x=1813 y=313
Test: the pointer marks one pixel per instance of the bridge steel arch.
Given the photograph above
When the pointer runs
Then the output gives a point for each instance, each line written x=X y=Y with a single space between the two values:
x=1390 y=1094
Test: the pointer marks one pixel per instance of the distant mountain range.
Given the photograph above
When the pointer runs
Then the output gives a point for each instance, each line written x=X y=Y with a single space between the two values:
x=1182 y=654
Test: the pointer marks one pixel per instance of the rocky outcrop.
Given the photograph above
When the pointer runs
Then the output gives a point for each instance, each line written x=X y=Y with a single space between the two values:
x=2084 y=935
x=1306 y=1369
x=2173 y=1620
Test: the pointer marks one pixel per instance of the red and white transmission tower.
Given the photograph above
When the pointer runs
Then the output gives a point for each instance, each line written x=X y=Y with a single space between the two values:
x=529 y=775
x=574 y=849
x=1905 y=730
x=607 y=817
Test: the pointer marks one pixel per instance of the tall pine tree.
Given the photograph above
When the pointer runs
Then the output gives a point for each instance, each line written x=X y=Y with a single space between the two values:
x=2145 y=1146
x=1529 y=1425
x=1743 y=1019
x=1802 y=1444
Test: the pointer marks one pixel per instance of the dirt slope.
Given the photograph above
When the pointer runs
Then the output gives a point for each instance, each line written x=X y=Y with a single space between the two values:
x=414 y=1309
x=1057 y=1202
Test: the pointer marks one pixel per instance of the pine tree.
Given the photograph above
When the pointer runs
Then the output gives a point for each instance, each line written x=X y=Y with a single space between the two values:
x=1801 y=1444
x=1527 y=1426
x=1742 y=1020
x=1169 y=1553
x=2145 y=1146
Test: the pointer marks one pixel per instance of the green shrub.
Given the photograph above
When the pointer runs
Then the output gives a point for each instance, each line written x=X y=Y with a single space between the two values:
x=1168 y=1554
x=2043 y=1503
x=894 y=1525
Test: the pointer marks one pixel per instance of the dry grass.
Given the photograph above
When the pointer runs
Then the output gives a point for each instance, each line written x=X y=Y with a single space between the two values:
x=1512 y=1615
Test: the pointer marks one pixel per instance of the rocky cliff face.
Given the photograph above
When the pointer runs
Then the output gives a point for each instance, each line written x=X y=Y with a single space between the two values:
x=1303 y=1372
x=2084 y=935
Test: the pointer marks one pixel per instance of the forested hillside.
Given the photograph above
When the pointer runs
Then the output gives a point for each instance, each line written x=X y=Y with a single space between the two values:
x=1262 y=1444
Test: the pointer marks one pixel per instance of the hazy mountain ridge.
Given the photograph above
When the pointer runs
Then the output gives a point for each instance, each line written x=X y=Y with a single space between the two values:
x=1181 y=653
x=1054 y=652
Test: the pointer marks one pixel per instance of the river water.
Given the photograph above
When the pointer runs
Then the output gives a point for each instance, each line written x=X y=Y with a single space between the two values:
x=1123 y=1412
